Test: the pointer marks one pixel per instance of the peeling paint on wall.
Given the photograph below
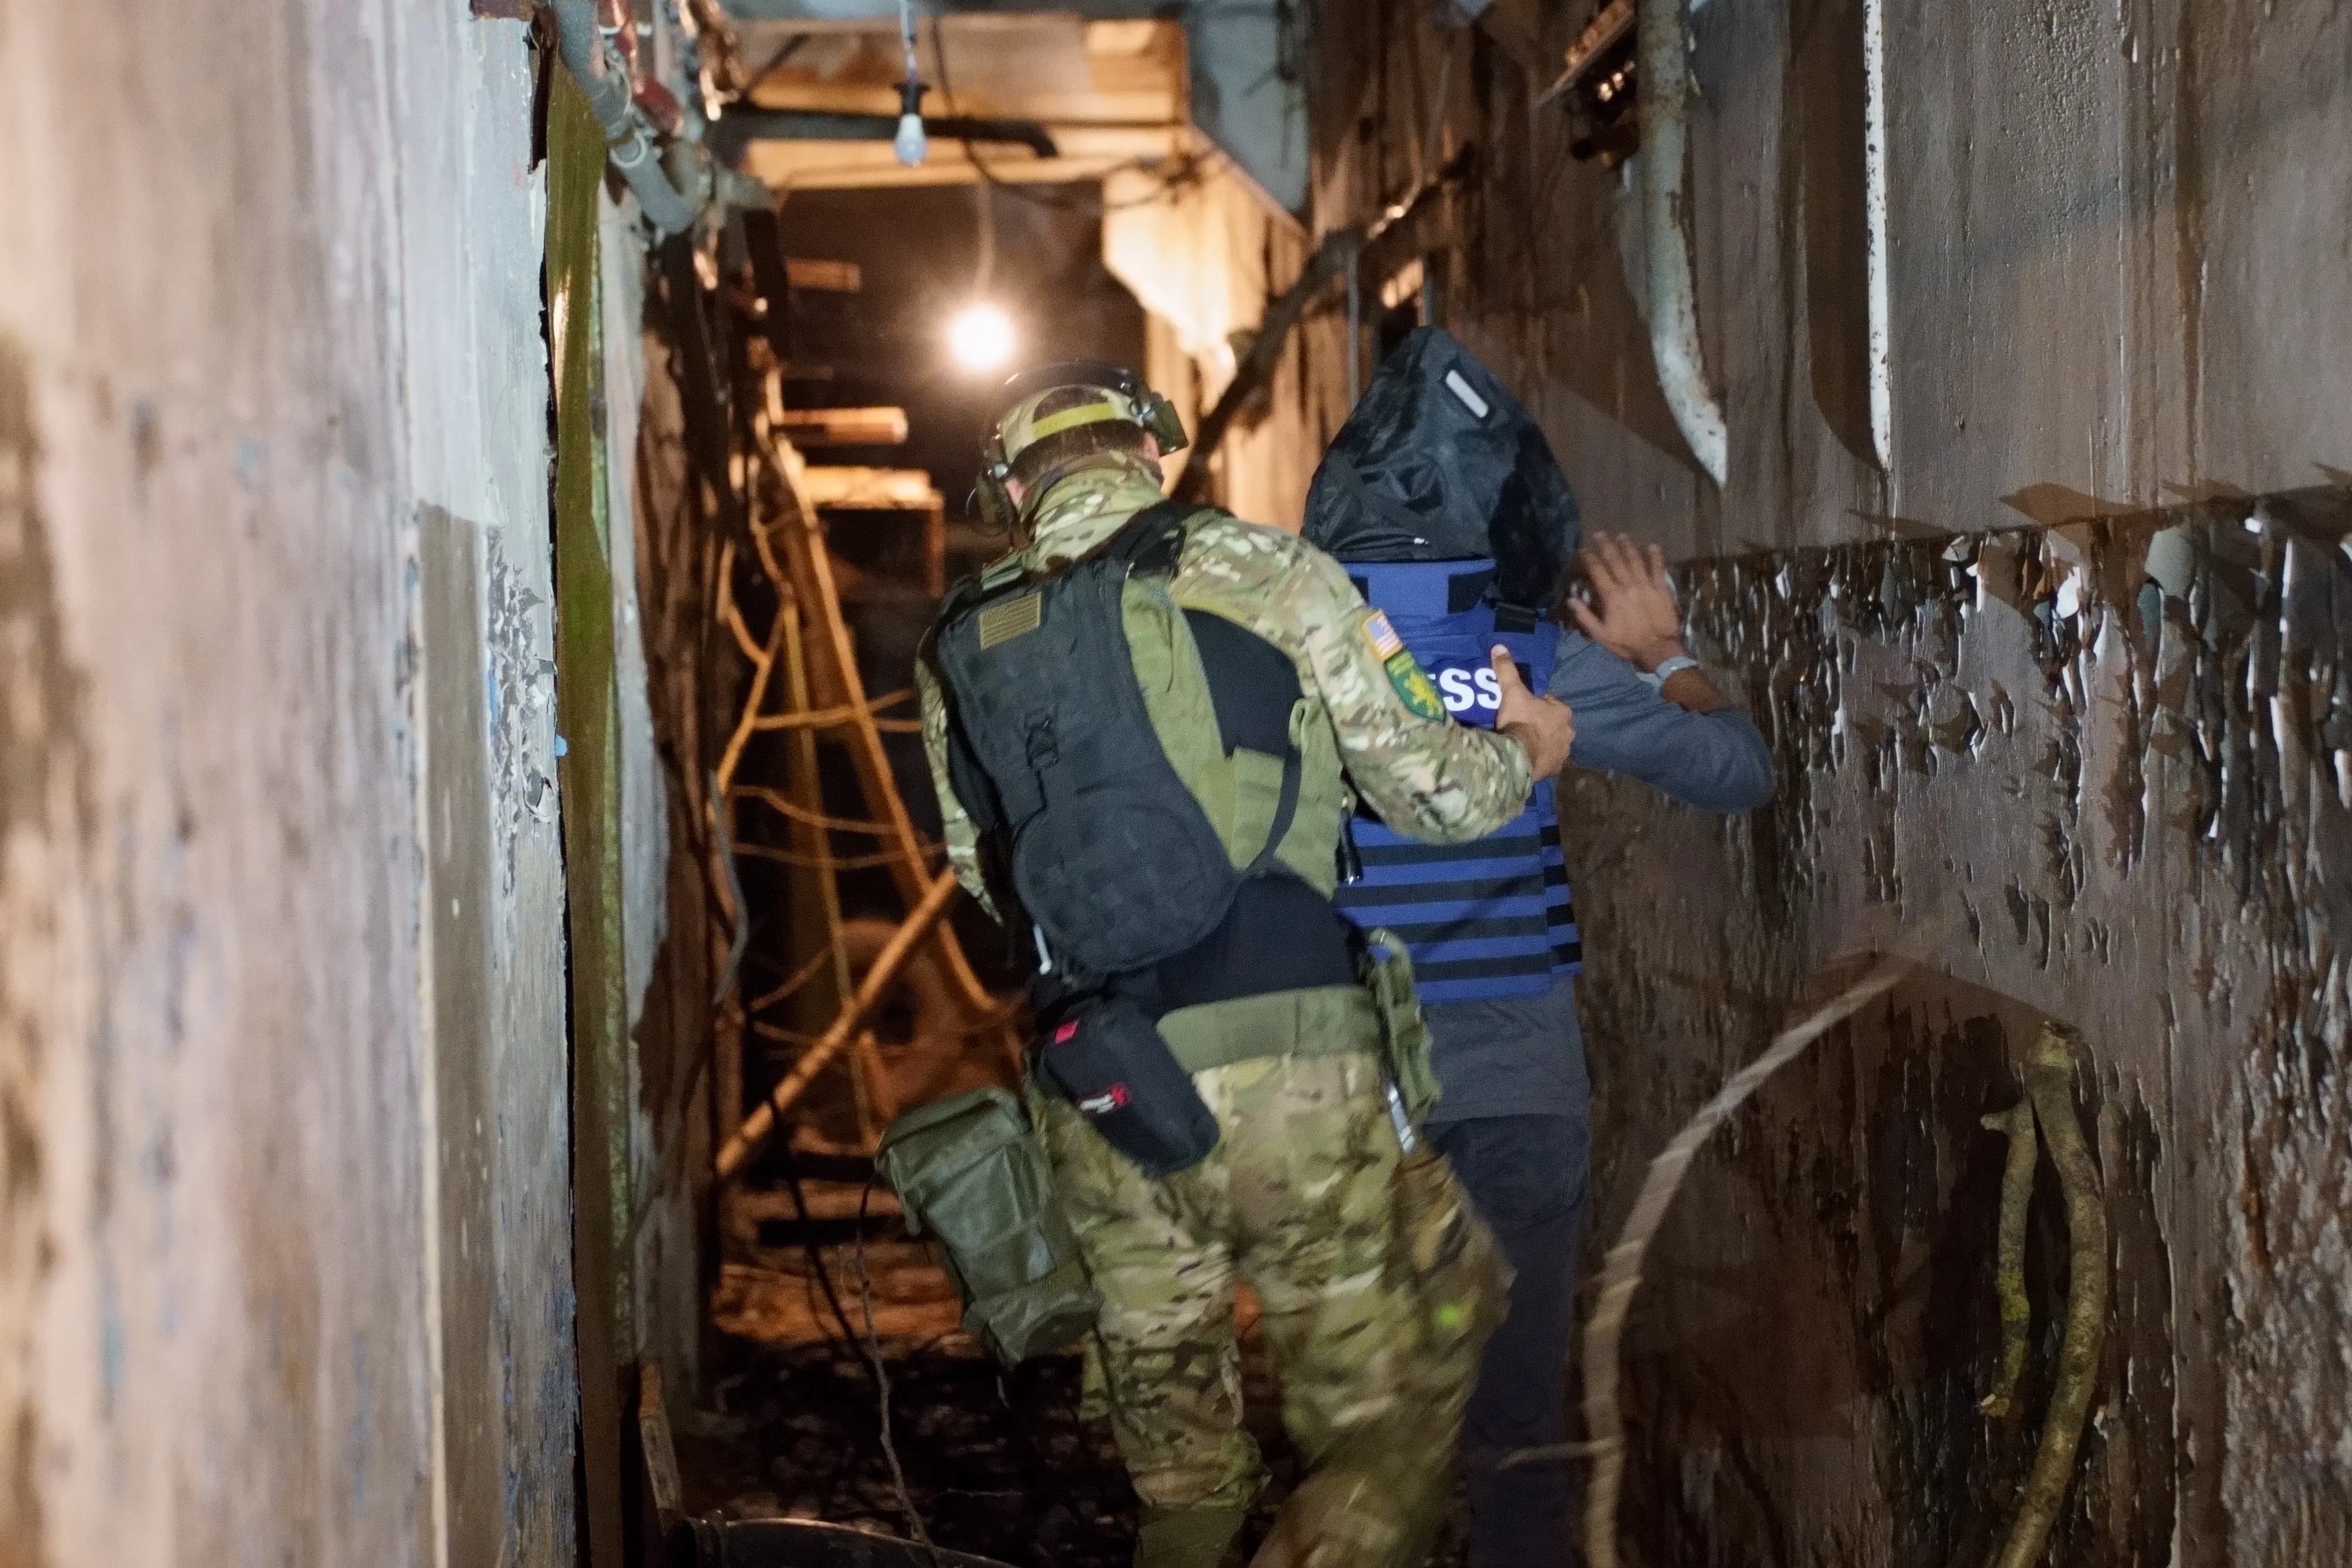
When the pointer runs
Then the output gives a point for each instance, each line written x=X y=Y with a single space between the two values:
x=2123 y=787
x=2094 y=768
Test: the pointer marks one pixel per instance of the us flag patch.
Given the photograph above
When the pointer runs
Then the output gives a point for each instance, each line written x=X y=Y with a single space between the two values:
x=1013 y=618
x=1383 y=636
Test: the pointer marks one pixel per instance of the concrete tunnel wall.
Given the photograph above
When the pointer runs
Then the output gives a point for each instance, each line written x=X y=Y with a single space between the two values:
x=2062 y=705
x=272 y=534
x=285 y=1233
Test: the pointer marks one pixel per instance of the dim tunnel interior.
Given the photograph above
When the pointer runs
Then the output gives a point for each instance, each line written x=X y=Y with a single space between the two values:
x=475 y=484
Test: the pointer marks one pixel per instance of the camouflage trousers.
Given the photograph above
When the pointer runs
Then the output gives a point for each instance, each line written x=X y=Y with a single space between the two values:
x=1377 y=1286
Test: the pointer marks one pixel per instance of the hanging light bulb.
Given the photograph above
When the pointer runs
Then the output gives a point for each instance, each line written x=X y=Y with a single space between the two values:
x=910 y=145
x=980 y=338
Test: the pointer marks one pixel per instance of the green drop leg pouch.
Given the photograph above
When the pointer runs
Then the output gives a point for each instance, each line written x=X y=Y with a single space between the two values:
x=973 y=1177
x=1387 y=971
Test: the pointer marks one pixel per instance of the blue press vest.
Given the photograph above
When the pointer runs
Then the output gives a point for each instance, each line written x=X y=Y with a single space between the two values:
x=1492 y=917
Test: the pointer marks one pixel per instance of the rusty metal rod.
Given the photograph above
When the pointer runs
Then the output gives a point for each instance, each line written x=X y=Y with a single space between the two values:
x=2049 y=1079
x=2009 y=1272
x=1336 y=251
x=786 y=806
x=1620 y=1276
x=756 y=1128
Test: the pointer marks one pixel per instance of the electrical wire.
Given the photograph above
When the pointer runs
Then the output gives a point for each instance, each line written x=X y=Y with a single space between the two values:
x=907 y=35
x=909 y=143
x=801 y=977
x=873 y=1345
x=875 y=861
x=870 y=1342
x=808 y=1241
x=1620 y=1275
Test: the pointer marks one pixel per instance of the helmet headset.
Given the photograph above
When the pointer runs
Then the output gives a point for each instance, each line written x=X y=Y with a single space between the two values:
x=1131 y=402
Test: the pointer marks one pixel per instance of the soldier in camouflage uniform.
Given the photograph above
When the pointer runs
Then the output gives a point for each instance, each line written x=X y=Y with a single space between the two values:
x=1377 y=1286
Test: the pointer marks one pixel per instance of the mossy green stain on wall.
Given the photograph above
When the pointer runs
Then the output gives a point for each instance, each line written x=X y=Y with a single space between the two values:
x=586 y=712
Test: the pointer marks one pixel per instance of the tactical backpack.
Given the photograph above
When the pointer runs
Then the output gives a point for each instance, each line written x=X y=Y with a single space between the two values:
x=1051 y=752
x=1093 y=837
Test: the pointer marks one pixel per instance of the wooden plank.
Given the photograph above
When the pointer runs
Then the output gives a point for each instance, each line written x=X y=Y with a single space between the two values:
x=869 y=489
x=1088 y=152
x=833 y=678
x=1033 y=66
x=913 y=931
x=666 y=1492
x=458 y=860
x=883 y=426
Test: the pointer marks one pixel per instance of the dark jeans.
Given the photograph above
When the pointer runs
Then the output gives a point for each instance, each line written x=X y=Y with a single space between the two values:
x=1527 y=1176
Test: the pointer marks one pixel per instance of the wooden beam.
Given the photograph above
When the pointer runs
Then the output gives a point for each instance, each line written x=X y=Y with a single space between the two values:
x=870 y=490
x=823 y=276
x=883 y=426
x=1088 y=152
x=807 y=566
x=886 y=964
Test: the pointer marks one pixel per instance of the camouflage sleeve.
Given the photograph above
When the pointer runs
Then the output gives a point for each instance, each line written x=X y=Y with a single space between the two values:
x=962 y=841
x=1428 y=777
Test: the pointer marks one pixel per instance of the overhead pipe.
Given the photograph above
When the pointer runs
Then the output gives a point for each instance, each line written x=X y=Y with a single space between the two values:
x=1876 y=259
x=628 y=141
x=1665 y=203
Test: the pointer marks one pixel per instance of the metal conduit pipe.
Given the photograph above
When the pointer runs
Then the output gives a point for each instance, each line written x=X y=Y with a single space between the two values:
x=1673 y=299
x=627 y=139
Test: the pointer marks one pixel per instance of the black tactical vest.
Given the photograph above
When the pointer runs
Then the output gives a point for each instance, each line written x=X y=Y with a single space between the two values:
x=1080 y=814
x=1088 y=831
x=1053 y=754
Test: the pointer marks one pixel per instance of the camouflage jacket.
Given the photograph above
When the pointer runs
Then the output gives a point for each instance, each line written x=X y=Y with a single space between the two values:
x=1426 y=775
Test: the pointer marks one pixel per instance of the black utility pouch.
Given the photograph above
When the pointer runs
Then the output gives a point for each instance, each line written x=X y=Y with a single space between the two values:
x=1109 y=1060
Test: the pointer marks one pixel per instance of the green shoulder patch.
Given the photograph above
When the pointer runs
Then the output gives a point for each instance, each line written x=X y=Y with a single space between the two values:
x=1414 y=686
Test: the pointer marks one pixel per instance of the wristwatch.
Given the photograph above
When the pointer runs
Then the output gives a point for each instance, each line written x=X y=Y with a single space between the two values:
x=1667 y=668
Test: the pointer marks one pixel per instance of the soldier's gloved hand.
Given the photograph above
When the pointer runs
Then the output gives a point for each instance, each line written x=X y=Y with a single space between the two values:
x=1542 y=725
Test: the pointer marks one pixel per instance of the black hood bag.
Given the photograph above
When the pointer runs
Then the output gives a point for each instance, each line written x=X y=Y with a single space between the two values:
x=1439 y=462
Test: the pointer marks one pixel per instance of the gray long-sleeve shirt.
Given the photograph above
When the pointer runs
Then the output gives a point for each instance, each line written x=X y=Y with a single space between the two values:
x=1524 y=1056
